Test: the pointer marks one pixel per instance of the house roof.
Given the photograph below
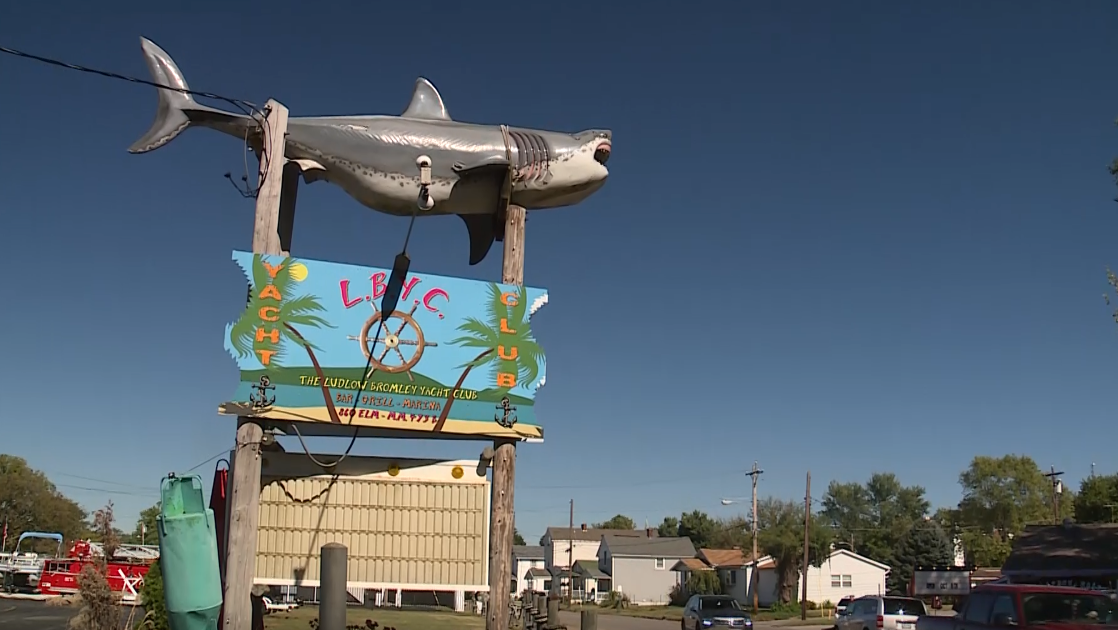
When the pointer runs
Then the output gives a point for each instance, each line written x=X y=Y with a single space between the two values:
x=860 y=558
x=537 y=572
x=725 y=557
x=589 y=568
x=591 y=534
x=629 y=546
x=690 y=564
x=1069 y=550
x=527 y=552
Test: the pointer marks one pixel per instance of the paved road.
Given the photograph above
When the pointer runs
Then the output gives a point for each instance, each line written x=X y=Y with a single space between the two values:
x=30 y=615
x=621 y=622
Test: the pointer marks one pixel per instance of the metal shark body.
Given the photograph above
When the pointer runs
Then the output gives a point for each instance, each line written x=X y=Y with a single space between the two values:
x=476 y=170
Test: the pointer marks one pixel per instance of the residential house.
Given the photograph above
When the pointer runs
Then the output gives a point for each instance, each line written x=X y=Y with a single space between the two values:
x=563 y=545
x=843 y=573
x=641 y=566
x=524 y=558
x=591 y=583
x=537 y=580
x=1070 y=554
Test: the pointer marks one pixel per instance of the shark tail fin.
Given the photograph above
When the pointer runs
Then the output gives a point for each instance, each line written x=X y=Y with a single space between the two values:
x=171 y=111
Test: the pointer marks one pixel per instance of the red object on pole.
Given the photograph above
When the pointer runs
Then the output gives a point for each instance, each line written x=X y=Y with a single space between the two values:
x=219 y=503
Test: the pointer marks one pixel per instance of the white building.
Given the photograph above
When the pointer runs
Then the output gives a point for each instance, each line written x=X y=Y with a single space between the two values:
x=845 y=573
x=641 y=567
x=525 y=558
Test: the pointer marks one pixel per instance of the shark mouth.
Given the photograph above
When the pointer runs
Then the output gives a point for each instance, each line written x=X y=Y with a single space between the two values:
x=601 y=154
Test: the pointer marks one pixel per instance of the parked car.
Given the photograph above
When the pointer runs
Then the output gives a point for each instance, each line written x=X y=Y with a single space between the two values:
x=1038 y=606
x=882 y=613
x=840 y=607
x=705 y=611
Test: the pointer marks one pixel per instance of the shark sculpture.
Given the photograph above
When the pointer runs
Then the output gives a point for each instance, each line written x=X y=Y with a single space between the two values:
x=423 y=156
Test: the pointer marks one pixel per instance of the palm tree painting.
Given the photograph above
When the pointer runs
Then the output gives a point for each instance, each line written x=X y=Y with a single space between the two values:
x=274 y=310
x=508 y=349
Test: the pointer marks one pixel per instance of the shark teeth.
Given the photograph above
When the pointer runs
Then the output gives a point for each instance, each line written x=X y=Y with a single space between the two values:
x=537 y=304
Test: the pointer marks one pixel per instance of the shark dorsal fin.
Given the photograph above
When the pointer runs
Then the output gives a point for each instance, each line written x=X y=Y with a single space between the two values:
x=426 y=102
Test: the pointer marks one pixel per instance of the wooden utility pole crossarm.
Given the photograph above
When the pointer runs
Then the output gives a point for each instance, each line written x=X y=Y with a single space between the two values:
x=244 y=496
x=504 y=458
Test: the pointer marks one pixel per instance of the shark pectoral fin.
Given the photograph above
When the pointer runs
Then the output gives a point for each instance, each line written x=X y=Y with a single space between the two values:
x=426 y=103
x=482 y=229
x=312 y=171
x=493 y=162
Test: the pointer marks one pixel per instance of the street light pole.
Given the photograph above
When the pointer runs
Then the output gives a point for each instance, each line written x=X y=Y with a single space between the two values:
x=753 y=582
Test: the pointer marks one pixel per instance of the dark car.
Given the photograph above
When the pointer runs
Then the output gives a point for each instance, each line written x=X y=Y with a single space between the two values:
x=714 y=611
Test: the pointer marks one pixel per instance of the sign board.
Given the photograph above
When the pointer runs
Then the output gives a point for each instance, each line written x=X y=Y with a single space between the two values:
x=940 y=582
x=457 y=357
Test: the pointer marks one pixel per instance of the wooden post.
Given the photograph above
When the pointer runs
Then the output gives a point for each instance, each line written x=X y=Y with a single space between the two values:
x=504 y=457
x=753 y=581
x=588 y=620
x=244 y=495
x=807 y=554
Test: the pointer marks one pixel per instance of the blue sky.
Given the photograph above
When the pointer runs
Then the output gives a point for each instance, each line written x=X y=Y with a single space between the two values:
x=842 y=237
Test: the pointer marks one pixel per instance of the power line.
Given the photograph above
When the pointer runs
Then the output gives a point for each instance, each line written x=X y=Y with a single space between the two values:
x=246 y=107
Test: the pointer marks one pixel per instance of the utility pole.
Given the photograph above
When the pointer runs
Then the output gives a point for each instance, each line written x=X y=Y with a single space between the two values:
x=756 y=472
x=244 y=496
x=807 y=542
x=501 y=501
x=571 y=558
x=1057 y=490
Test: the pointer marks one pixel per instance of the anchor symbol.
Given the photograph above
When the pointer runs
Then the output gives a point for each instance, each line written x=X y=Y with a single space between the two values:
x=260 y=399
x=506 y=409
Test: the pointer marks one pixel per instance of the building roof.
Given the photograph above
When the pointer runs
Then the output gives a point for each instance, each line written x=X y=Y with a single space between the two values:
x=590 y=534
x=656 y=547
x=589 y=568
x=1067 y=550
x=725 y=557
x=527 y=552
x=691 y=564
x=537 y=572
x=860 y=558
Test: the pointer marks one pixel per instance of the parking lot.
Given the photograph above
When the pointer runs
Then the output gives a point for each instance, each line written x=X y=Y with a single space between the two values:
x=18 y=614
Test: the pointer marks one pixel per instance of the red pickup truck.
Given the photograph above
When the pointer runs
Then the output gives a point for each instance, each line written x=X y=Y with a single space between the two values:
x=1000 y=606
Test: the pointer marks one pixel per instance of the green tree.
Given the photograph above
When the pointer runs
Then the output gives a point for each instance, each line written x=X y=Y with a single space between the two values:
x=252 y=335
x=781 y=535
x=617 y=522
x=146 y=526
x=924 y=545
x=704 y=583
x=1097 y=500
x=1000 y=496
x=669 y=527
x=699 y=527
x=506 y=343
x=732 y=532
x=517 y=539
x=874 y=517
x=30 y=502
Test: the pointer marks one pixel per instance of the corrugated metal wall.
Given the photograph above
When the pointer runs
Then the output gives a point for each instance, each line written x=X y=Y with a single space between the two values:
x=397 y=532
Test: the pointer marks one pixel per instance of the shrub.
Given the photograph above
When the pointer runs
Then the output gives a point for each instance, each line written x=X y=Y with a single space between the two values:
x=678 y=596
x=99 y=607
x=704 y=583
x=152 y=597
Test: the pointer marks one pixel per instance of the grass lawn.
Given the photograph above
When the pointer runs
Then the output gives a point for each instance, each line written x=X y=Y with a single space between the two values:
x=300 y=618
x=674 y=613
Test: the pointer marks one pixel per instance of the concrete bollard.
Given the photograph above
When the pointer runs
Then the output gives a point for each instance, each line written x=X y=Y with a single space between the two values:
x=333 y=571
x=588 y=620
x=553 y=612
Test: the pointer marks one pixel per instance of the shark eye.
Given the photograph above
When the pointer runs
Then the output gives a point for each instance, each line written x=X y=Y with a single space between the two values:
x=601 y=154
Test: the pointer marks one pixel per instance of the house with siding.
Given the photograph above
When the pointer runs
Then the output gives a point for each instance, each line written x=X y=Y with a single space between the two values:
x=641 y=566
x=525 y=558
x=844 y=573
x=562 y=545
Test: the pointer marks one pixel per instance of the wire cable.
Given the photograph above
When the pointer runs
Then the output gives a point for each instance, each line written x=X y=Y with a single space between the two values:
x=246 y=107
x=388 y=306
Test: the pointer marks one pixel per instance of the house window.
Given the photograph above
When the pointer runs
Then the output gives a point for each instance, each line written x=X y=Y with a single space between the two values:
x=841 y=581
x=733 y=577
x=660 y=564
x=847 y=581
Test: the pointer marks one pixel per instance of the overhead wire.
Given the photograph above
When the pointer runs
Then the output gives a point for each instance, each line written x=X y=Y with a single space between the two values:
x=247 y=108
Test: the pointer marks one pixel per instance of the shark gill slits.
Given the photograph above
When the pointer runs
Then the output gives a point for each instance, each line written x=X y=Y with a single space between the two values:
x=533 y=155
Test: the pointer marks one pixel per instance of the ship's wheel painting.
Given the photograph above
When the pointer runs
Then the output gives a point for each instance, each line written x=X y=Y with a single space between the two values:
x=407 y=334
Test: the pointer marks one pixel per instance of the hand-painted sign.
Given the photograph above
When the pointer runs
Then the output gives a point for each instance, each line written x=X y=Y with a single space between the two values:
x=456 y=357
